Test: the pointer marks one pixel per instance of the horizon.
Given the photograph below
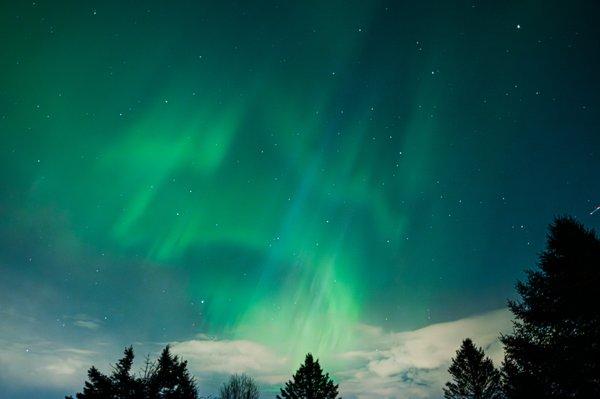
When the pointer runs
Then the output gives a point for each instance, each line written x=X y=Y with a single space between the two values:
x=364 y=181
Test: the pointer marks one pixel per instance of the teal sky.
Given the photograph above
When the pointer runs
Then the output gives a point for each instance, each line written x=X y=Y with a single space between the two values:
x=255 y=180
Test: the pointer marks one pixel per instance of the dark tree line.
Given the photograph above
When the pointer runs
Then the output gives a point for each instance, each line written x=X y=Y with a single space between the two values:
x=167 y=378
x=554 y=349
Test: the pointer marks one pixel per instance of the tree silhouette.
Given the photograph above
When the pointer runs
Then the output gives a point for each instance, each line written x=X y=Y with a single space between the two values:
x=554 y=350
x=309 y=382
x=170 y=379
x=167 y=378
x=98 y=386
x=126 y=385
x=473 y=375
x=239 y=386
x=120 y=384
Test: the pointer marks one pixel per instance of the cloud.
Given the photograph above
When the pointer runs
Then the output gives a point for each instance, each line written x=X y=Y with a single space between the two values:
x=34 y=355
x=44 y=364
x=413 y=364
x=382 y=364
x=83 y=321
x=207 y=357
x=89 y=324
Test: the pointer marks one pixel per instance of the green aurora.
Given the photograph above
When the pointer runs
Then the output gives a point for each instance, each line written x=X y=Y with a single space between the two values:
x=283 y=173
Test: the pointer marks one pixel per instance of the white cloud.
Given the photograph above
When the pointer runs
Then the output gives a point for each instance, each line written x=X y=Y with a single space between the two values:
x=413 y=364
x=410 y=364
x=44 y=364
x=89 y=324
x=383 y=364
x=32 y=356
x=235 y=356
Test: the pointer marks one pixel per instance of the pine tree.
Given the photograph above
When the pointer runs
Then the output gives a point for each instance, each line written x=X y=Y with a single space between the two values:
x=121 y=384
x=473 y=375
x=309 y=382
x=98 y=386
x=170 y=378
x=554 y=350
x=239 y=386
x=126 y=385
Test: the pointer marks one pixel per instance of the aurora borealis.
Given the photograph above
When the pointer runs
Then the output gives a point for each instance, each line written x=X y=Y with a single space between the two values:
x=251 y=181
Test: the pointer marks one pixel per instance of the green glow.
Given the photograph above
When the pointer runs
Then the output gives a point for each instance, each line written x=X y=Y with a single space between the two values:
x=277 y=173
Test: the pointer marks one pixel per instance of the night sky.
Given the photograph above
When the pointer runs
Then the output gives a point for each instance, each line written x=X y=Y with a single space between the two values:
x=251 y=181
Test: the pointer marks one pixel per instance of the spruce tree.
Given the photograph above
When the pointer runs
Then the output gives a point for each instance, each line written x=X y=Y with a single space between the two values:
x=170 y=378
x=554 y=350
x=167 y=378
x=309 y=382
x=98 y=386
x=125 y=384
x=473 y=375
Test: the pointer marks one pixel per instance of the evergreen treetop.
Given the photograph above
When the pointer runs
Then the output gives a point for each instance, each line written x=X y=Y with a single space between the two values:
x=473 y=375
x=554 y=350
x=309 y=382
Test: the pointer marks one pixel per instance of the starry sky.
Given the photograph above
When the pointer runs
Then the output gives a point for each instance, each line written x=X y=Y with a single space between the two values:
x=250 y=181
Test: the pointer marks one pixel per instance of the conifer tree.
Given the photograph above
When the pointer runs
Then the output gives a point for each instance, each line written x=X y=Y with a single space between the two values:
x=554 y=350
x=473 y=375
x=309 y=382
x=125 y=384
x=167 y=378
x=170 y=378
x=98 y=386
